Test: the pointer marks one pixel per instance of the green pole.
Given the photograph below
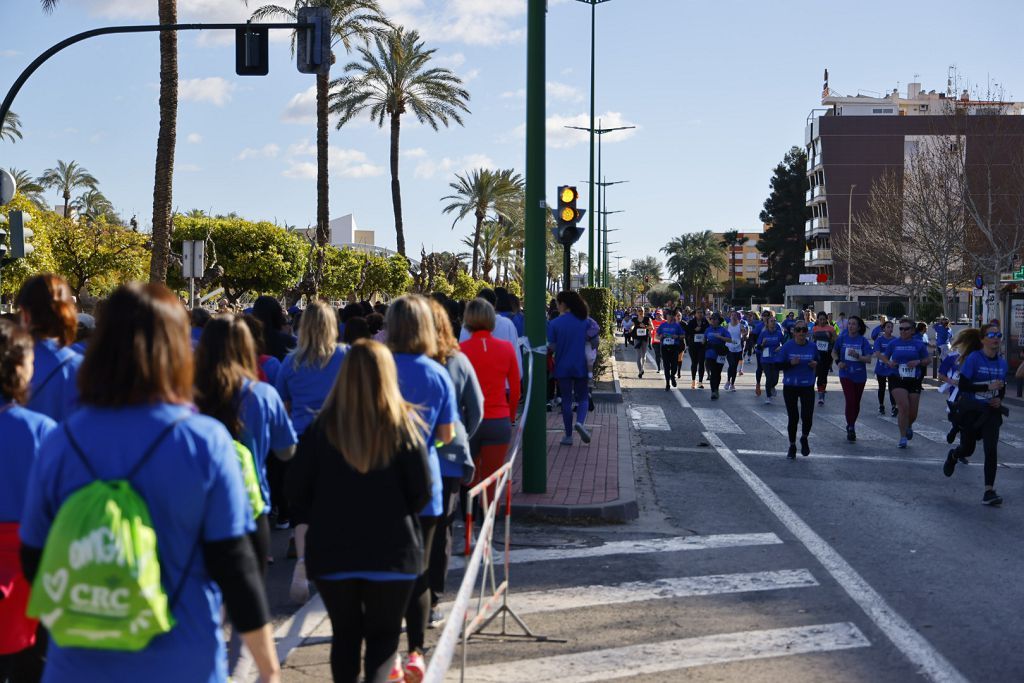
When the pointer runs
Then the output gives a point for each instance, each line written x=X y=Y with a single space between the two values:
x=590 y=199
x=600 y=195
x=604 y=233
x=535 y=455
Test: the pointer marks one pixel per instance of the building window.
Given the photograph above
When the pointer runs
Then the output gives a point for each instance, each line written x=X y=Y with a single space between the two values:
x=878 y=110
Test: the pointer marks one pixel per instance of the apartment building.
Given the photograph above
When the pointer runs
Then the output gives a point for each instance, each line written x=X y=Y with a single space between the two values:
x=744 y=260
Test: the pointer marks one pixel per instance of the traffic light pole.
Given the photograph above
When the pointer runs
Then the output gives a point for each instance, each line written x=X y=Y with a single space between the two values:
x=567 y=267
x=535 y=456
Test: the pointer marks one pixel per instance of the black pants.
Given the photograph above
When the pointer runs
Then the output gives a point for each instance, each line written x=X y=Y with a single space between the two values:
x=276 y=471
x=735 y=358
x=824 y=366
x=771 y=377
x=657 y=355
x=697 y=362
x=369 y=611
x=804 y=415
x=715 y=374
x=417 y=613
x=884 y=384
x=671 y=358
x=441 y=552
x=985 y=426
x=25 y=666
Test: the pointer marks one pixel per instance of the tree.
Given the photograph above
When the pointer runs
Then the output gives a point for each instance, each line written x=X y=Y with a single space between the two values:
x=11 y=127
x=647 y=267
x=391 y=81
x=692 y=260
x=785 y=211
x=97 y=254
x=483 y=193
x=485 y=248
x=730 y=240
x=256 y=257
x=351 y=20
x=579 y=262
x=67 y=177
x=14 y=273
x=29 y=188
x=93 y=204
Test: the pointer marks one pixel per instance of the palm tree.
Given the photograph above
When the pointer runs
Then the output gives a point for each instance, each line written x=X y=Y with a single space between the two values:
x=731 y=239
x=350 y=20
x=166 y=138
x=11 y=127
x=92 y=204
x=67 y=177
x=693 y=259
x=480 y=192
x=579 y=263
x=28 y=187
x=392 y=81
x=487 y=247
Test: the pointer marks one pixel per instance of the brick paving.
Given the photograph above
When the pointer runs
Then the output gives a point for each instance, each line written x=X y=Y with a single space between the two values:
x=578 y=474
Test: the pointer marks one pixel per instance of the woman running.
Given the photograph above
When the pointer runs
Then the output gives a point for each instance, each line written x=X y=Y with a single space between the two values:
x=362 y=470
x=737 y=334
x=883 y=373
x=799 y=361
x=909 y=357
x=696 y=341
x=642 y=332
x=982 y=387
x=769 y=342
x=824 y=338
x=716 y=353
x=671 y=334
x=852 y=352
x=752 y=339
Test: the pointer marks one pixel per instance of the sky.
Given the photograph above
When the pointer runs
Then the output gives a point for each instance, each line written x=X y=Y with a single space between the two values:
x=718 y=92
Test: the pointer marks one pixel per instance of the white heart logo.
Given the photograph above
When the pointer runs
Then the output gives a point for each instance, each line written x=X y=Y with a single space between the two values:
x=56 y=583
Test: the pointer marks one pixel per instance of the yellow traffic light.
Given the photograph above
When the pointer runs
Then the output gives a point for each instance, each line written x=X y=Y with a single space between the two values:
x=568 y=195
x=568 y=214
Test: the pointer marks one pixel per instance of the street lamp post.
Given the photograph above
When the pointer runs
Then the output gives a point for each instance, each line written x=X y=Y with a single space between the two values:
x=849 y=245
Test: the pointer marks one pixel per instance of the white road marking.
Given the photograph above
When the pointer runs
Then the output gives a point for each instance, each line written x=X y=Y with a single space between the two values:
x=681 y=449
x=870 y=458
x=578 y=597
x=777 y=420
x=919 y=430
x=647 y=545
x=717 y=420
x=646 y=659
x=682 y=399
x=863 y=431
x=649 y=418
x=912 y=644
x=289 y=635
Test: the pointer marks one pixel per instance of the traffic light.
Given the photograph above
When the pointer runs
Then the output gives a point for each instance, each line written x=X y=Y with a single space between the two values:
x=567 y=216
x=252 y=51
x=313 y=45
x=3 y=239
x=20 y=234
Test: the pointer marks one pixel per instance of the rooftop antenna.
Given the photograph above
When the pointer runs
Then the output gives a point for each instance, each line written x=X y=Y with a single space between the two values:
x=949 y=80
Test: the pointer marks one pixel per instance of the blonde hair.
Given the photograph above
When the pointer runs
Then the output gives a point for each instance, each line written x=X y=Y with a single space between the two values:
x=369 y=427
x=410 y=326
x=318 y=335
x=447 y=344
x=479 y=315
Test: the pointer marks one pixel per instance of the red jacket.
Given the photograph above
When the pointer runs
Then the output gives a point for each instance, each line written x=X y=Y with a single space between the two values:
x=497 y=370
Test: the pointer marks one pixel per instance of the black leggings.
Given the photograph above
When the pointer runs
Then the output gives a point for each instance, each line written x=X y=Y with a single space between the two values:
x=771 y=377
x=715 y=374
x=441 y=553
x=735 y=358
x=26 y=666
x=360 y=611
x=974 y=427
x=824 y=365
x=417 y=613
x=805 y=415
x=671 y=358
x=697 y=362
x=657 y=354
x=884 y=384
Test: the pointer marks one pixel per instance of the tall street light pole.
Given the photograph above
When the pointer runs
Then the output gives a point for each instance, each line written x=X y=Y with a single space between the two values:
x=849 y=244
x=604 y=232
x=590 y=225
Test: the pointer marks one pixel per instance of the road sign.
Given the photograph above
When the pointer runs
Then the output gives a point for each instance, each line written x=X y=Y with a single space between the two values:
x=979 y=292
x=979 y=282
x=193 y=259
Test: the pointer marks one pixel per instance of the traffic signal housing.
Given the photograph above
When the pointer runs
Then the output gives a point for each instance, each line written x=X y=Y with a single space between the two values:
x=567 y=216
x=313 y=45
x=3 y=239
x=20 y=234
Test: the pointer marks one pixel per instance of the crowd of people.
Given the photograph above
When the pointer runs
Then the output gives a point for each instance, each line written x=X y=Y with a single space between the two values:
x=150 y=450
x=807 y=349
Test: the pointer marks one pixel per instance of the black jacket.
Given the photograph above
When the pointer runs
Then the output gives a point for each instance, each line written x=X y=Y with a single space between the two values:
x=358 y=522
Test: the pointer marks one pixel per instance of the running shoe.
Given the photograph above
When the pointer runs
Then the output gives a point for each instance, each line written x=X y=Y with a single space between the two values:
x=950 y=464
x=700 y=385
x=641 y=374
x=851 y=434
x=991 y=498
x=414 y=668
x=910 y=433
x=895 y=411
x=963 y=460
x=821 y=398
x=582 y=431
x=396 y=675
x=791 y=454
x=299 y=590
x=693 y=385
x=673 y=381
x=657 y=371
x=732 y=388
x=714 y=395
x=757 y=390
x=805 y=448
x=436 y=618
x=902 y=443
x=566 y=440
x=741 y=372
x=881 y=409
x=767 y=400
x=951 y=437
x=668 y=387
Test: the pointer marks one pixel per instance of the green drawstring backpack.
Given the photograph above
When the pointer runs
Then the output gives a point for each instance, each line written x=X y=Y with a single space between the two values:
x=247 y=462
x=98 y=584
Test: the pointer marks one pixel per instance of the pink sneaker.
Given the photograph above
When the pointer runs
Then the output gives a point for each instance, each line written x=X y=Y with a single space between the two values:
x=396 y=675
x=414 y=668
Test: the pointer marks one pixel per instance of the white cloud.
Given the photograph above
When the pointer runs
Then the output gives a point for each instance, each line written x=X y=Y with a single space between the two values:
x=188 y=168
x=194 y=138
x=474 y=22
x=560 y=137
x=448 y=165
x=214 y=90
x=9 y=53
x=561 y=91
x=268 y=151
x=300 y=170
x=301 y=108
x=414 y=153
x=514 y=94
x=452 y=61
x=345 y=163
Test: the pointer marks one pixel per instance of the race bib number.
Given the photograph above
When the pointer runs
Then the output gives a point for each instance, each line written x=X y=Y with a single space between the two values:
x=767 y=353
x=985 y=395
x=822 y=345
x=852 y=355
x=669 y=341
x=720 y=360
x=641 y=331
x=698 y=339
x=907 y=372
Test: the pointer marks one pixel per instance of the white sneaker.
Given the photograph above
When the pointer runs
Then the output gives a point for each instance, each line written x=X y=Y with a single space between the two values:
x=299 y=590
x=767 y=400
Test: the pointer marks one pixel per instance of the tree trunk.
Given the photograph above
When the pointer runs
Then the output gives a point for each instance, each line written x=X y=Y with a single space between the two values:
x=396 y=189
x=323 y=214
x=476 y=240
x=67 y=202
x=165 y=141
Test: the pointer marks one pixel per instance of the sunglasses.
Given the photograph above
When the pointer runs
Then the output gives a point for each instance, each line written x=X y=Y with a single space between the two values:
x=906 y=329
x=994 y=335
x=799 y=329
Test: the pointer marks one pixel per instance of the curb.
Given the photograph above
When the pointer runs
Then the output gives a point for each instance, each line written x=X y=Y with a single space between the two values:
x=615 y=395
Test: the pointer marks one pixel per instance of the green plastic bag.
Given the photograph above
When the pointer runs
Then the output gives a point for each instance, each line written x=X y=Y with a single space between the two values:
x=98 y=584
x=249 y=479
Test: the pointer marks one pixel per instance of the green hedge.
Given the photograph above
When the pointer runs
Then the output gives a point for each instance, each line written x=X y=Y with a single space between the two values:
x=600 y=301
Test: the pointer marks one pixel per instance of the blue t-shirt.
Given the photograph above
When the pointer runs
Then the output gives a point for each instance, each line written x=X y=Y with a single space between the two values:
x=21 y=432
x=306 y=387
x=772 y=341
x=192 y=485
x=670 y=333
x=881 y=368
x=427 y=385
x=877 y=330
x=757 y=328
x=948 y=366
x=54 y=388
x=787 y=325
x=567 y=335
x=270 y=366
x=518 y=320
x=265 y=427
x=903 y=352
x=980 y=369
x=846 y=347
x=716 y=338
x=802 y=374
x=942 y=334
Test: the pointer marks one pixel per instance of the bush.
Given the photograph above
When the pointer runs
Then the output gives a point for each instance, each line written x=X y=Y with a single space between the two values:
x=599 y=300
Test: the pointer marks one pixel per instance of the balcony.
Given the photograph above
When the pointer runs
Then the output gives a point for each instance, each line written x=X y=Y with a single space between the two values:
x=817 y=258
x=816 y=227
x=816 y=193
x=813 y=163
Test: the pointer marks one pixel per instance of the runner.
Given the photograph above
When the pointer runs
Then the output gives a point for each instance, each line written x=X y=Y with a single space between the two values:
x=949 y=374
x=680 y=346
x=882 y=320
x=136 y=414
x=627 y=329
x=852 y=351
x=756 y=324
x=883 y=373
x=799 y=361
x=569 y=336
x=696 y=341
x=909 y=357
x=787 y=325
x=737 y=333
x=671 y=334
x=642 y=329
x=769 y=342
x=943 y=337
x=824 y=339
x=982 y=386
x=752 y=340
x=716 y=354
x=655 y=339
